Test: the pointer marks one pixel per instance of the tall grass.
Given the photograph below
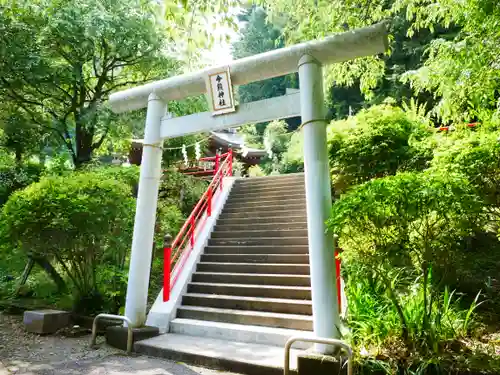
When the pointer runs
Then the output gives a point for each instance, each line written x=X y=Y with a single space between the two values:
x=432 y=322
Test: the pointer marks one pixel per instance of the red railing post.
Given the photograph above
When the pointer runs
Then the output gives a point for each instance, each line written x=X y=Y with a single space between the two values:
x=230 y=173
x=167 y=255
x=217 y=160
x=191 y=233
x=221 y=178
x=209 y=201
x=338 y=284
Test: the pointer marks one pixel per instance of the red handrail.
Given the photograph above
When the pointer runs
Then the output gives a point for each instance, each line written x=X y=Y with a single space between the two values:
x=180 y=249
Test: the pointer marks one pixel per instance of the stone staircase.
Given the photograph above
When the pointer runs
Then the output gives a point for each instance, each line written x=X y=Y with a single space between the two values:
x=252 y=283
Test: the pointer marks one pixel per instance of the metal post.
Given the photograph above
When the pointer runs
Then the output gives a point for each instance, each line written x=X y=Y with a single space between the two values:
x=126 y=320
x=145 y=215
x=326 y=319
x=334 y=342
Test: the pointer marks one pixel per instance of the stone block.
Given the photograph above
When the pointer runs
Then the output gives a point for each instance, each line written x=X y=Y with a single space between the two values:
x=319 y=364
x=117 y=336
x=45 y=321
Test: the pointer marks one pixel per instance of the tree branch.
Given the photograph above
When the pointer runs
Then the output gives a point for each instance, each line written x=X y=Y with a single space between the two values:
x=125 y=83
x=101 y=140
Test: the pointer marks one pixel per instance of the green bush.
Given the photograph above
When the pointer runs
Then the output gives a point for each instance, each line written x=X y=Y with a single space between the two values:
x=403 y=228
x=293 y=158
x=476 y=156
x=78 y=221
x=15 y=177
x=377 y=142
x=180 y=190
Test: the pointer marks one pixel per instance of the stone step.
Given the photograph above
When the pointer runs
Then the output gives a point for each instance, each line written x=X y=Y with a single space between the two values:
x=267 y=194
x=249 y=290
x=300 y=204
x=252 y=225
x=276 y=249
x=263 y=241
x=272 y=219
x=256 y=318
x=267 y=268
x=266 y=181
x=295 y=177
x=258 y=199
x=229 y=234
x=277 y=305
x=256 y=258
x=282 y=214
x=237 y=332
x=267 y=190
x=256 y=210
x=251 y=278
x=225 y=355
x=289 y=185
x=266 y=201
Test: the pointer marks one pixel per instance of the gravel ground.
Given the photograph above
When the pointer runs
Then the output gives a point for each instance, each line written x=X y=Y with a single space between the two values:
x=26 y=353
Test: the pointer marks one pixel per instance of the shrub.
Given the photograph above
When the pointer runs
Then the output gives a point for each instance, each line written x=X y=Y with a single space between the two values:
x=78 y=221
x=181 y=190
x=405 y=227
x=377 y=142
x=293 y=158
x=15 y=177
x=255 y=171
x=477 y=157
x=128 y=175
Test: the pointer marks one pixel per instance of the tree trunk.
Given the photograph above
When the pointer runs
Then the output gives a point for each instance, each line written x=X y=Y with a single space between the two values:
x=83 y=156
x=24 y=277
x=19 y=155
x=42 y=157
x=45 y=264
x=85 y=121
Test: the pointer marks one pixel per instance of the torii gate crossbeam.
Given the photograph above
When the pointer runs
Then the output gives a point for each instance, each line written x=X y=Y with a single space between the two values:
x=306 y=58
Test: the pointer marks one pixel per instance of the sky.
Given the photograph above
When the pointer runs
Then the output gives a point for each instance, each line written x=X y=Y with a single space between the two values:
x=220 y=54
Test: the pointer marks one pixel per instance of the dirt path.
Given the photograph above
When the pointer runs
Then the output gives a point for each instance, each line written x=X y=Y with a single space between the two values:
x=26 y=353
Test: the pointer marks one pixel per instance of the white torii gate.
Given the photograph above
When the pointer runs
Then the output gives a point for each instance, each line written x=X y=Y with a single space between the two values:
x=306 y=58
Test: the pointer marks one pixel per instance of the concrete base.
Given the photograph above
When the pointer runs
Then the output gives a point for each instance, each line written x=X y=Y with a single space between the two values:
x=225 y=355
x=116 y=336
x=319 y=364
x=45 y=321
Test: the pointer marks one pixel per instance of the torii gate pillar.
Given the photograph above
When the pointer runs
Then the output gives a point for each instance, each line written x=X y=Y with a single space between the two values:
x=326 y=320
x=145 y=213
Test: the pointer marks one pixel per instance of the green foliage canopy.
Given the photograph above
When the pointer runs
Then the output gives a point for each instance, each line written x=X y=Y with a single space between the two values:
x=376 y=142
x=462 y=71
x=84 y=50
x=258 y=36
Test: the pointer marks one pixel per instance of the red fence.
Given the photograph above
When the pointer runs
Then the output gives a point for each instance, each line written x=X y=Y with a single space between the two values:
x=177 y=254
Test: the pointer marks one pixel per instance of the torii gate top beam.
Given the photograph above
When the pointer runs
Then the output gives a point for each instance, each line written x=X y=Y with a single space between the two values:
x=337 y=48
